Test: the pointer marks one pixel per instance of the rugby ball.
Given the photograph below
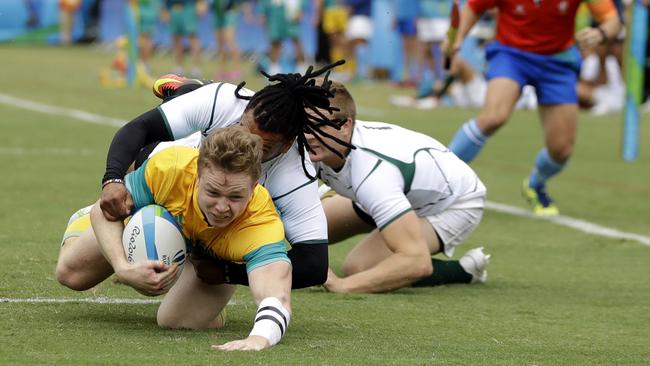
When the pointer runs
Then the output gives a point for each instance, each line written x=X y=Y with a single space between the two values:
x=152 y=233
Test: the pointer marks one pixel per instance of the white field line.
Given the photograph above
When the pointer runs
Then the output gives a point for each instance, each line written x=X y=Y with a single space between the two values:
x=581 y=225
x=60 y=111
x=89 y=300
x=578 y=224
x=96 y=300
x=47 y=151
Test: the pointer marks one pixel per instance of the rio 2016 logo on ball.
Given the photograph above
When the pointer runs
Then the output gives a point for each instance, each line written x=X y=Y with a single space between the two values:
x=152 y=233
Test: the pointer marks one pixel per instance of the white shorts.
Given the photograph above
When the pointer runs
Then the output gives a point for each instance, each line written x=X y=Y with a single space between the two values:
x=454 y=225
x=359 y=27
x=432 y=29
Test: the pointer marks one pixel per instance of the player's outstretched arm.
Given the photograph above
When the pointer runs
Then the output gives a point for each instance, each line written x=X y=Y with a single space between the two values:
x=271 y=288
x=151 y=278
x=127 y=142
x=410 y=260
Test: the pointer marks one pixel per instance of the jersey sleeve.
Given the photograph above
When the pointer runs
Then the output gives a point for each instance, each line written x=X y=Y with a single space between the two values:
x=264 y=255
x=207 y=108
x=137 y=186
x=381 y=194
x=296 y=198
x=303 y=216
x=601 y=10
x=158 y=176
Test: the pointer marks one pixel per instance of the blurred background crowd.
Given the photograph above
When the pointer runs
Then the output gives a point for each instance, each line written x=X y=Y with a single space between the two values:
x=394 y=40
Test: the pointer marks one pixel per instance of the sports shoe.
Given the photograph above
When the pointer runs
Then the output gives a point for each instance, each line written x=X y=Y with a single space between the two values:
x=426 y=103
x=475 y=263
x=540 y=201
x=166 y=85
x=402 y=100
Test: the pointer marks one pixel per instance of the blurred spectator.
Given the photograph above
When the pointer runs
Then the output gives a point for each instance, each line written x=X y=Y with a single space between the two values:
x=335 y=19
x=358 y=33
x=182 y=17
x=406 y=13
x=91 y=12
x=432 y=25
x=228 y=54
x=68 y=10
x=282 y=20
x=322 y=56
x=148 y=15
x=32 y=13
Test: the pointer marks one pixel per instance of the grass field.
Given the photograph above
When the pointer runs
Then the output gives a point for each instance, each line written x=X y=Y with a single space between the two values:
x=555 y=295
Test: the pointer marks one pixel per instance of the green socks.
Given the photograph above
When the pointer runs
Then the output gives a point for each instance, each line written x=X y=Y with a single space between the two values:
x=444 y=272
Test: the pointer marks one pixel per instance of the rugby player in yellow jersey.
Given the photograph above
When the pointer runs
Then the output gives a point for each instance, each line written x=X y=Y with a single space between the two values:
x=213 y=193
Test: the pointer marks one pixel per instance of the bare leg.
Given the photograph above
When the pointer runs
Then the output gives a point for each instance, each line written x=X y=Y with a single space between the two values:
x=178 y=51
x=373 y=249
x=81 y=264
x=195 y=51
x=193 y=304
x=342 y=221
x=560 y=123
x=502 y=94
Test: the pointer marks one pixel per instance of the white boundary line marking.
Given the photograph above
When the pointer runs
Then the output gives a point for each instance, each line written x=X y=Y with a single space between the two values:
x=578 y=224
x=20 y=151
x=88 y=300
x=96 y=300
x=60 y=111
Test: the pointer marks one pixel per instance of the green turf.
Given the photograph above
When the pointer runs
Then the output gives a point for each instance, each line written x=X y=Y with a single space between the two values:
x=555 y=296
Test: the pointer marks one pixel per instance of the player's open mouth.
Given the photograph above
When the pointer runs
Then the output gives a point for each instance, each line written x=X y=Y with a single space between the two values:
x=219 y=218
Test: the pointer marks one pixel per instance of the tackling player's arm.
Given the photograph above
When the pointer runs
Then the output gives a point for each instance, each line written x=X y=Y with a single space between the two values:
x=410 y=260
x=127 y=142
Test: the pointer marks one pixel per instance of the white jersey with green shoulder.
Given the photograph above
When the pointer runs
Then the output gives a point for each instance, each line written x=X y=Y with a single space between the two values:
x=196 y=114
x=394 y=170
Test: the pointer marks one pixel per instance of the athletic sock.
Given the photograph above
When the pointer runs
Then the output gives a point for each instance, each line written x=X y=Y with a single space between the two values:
x=444 y=272
x=468 y=141
x=545 y=167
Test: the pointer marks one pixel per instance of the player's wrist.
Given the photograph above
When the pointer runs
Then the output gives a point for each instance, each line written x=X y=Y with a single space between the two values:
x=271 y=321
x=122 y=269
x=112 y=181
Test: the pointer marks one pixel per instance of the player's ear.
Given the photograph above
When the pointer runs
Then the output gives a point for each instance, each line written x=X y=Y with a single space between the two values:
x=347 y=126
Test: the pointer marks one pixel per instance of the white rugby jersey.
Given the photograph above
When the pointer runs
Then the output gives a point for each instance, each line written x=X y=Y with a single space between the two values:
x=394 y=170
x=190 y=117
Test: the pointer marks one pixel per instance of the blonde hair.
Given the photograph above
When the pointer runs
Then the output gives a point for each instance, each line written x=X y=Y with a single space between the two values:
x=234 y=150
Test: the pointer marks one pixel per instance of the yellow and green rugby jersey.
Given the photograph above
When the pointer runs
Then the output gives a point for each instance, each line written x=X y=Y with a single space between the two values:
x=168 y=178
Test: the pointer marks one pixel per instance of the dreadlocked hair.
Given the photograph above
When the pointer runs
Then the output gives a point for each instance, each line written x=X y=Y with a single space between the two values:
x=281 y=107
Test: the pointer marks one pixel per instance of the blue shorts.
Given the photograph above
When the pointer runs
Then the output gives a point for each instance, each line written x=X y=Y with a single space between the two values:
x=554 y=77
x=407 y=27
